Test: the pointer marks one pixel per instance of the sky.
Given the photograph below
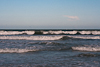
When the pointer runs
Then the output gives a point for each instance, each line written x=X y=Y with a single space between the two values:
x=49 y=14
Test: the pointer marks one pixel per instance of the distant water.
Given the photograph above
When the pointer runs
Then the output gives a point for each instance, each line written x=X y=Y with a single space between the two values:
x=50 y=48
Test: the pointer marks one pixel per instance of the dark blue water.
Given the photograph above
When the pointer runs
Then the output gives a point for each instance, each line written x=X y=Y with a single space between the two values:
x=49 y=48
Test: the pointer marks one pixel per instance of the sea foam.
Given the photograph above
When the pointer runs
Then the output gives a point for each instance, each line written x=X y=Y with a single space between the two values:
x=50 y=32
x=87 y=48
x=16 y=32
x=86 y=37
x=16 y=50
x=31 y=37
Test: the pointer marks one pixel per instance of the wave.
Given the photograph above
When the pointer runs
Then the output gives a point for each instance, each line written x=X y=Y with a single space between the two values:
x=16 y=32
x=72 y=32
x=36 y=46
x=31 y=37
x=16 y=50
x=48 y=37
x=87 y=48
x=60 y=32
x=79 y=37
x=85 y=37
x=49 y=46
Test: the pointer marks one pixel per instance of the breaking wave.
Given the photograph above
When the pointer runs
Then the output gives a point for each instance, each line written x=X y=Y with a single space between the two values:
x=49 y=37
x=31 y=37
x=85 y=37
x=80 y=37
x=16 y=50
x=87 y=48
x=50 y=32
x=73 y=32
x=16 y=32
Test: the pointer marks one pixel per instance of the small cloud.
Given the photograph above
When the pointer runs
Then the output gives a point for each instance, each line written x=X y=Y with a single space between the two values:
x=72 y=18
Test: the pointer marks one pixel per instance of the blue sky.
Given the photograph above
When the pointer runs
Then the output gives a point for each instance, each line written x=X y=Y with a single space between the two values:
x=49 y=14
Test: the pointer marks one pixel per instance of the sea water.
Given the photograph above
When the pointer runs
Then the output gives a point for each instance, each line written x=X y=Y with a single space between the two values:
x=49 y=48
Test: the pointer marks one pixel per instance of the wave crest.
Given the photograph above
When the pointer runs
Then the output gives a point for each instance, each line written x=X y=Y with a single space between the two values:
x=87 y=48
x=59 y=32
x=31 y=37
x=50 y=37
x=16 y=50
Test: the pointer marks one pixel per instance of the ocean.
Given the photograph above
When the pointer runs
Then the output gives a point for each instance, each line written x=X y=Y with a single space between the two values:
x=49 y=48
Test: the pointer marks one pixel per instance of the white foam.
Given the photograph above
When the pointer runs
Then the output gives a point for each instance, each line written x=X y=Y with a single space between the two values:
x=32 y=37
x=59 y=32
x=86 y=37
x=16 y=50
x=15 y=32
x=85 y=32
x=90 y=32
x=72 y=32
x=29 y=32
x=86 y=48
x=96 y=32
x=69 y=32
x=49 y=32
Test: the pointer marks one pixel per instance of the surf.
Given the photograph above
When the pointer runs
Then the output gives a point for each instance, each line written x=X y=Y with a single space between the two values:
x=50 y=32
x=87 y=48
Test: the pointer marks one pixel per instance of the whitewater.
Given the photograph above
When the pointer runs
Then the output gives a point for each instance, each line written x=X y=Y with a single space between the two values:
x=50 y=48
x=32 y=32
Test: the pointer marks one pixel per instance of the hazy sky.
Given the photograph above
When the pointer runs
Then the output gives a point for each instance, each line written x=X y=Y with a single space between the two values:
x=49 y=14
